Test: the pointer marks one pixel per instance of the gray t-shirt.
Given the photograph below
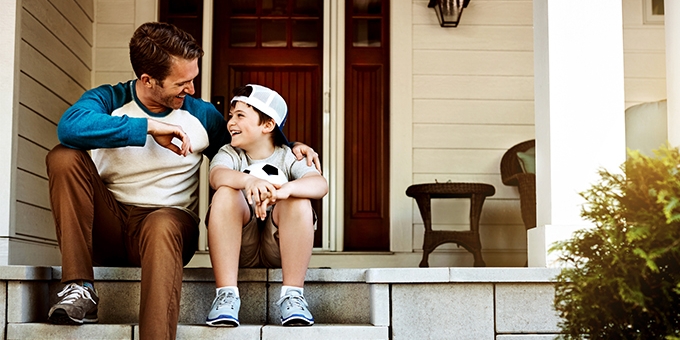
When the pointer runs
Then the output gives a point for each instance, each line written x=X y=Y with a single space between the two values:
x=282 y=158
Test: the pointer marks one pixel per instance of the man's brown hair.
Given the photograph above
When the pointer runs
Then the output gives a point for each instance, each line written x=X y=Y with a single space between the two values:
x=154 y=45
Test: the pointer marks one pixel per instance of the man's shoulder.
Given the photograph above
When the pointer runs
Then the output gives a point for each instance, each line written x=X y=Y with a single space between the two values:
x=111 y=96
x=122 y=88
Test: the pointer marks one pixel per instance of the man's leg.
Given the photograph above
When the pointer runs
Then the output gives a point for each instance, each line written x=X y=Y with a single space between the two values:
x=79 y=201
x=162 y=241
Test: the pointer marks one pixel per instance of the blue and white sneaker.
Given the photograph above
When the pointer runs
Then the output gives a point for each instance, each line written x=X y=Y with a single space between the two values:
x=224 y=309
x=294 y=310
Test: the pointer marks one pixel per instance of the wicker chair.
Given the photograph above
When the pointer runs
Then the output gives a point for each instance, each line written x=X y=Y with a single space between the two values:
x=512 y=175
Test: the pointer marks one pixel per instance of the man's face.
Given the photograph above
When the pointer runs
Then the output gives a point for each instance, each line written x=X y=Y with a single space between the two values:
x=170 y=92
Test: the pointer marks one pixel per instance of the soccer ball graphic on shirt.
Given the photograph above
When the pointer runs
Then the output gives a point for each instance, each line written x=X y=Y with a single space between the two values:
x=266 y=172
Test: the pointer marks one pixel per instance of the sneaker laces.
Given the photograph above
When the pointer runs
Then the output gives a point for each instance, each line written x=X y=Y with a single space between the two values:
x=73 y=292
x=226 y=298
x=293 y=301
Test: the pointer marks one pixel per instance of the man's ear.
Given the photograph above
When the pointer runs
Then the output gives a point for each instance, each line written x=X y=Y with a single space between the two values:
x=146 y=80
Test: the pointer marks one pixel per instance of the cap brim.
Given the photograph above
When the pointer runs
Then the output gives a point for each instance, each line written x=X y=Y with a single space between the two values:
x=281 y=136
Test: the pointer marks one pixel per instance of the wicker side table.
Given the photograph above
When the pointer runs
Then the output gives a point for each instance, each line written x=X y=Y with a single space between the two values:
x=469 y=239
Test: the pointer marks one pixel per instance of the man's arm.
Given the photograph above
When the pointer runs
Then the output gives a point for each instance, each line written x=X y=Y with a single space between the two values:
x=88 y=124
x=301 y=151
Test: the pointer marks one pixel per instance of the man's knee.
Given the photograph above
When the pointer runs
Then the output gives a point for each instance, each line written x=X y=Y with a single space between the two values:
x=166 y=223
x=170 y=229
x=62 y=157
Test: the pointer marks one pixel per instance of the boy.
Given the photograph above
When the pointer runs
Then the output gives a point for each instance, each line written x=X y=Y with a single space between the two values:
x=254 y=223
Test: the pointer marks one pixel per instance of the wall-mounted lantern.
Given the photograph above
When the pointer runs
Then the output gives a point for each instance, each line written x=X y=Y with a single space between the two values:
x=448 y=11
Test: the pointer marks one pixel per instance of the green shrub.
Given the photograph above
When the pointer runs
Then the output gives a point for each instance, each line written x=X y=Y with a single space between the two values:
x=621 y=278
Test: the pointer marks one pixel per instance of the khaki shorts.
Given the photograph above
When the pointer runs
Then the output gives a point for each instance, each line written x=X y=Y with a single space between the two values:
x=260 y=242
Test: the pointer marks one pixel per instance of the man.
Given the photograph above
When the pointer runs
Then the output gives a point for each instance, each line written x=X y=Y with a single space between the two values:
x=133 y=202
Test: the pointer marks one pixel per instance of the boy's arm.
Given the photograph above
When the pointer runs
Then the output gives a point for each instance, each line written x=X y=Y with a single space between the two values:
x=312 y=185
x=259 y=189
x=222 y=176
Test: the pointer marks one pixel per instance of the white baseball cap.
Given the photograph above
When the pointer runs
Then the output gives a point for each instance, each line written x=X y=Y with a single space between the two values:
x=268 y=102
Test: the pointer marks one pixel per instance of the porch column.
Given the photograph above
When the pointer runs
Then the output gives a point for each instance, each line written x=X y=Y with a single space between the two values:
x=672 y=22
x=9 y=99
x=579 y=108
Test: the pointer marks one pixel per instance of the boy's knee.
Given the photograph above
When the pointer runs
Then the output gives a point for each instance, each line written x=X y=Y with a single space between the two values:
x=297 y=210
x=299 y=205
x=226 y=195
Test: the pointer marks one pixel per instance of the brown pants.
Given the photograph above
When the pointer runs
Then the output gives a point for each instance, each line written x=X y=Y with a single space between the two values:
x=95 y=229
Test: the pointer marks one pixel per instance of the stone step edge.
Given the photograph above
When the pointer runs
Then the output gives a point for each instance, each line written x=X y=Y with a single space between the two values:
x=184 y=331
x=366 y=275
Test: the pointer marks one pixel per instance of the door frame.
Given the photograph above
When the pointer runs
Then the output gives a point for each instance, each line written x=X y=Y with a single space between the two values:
x=333 y=122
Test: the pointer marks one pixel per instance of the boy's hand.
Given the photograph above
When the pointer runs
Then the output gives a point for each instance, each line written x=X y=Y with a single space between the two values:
x=282 y=192
x=259 y=192
x=302 y=150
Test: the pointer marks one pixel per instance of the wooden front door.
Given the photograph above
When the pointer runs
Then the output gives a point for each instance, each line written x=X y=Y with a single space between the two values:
x=278 y=44
x=366 y=125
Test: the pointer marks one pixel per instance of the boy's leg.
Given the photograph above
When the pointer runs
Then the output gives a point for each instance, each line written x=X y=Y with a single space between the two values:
x=229 y=221
x=229 y=212
x=162 y=241
x=295 y=220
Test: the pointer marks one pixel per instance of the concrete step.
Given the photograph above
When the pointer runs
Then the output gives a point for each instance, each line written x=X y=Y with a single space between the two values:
x=373 y=303
x=338 y=296
x=195 y=332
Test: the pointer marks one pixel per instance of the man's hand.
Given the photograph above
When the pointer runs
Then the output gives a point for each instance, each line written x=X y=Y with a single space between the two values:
x=164 y=133
x=302 y=150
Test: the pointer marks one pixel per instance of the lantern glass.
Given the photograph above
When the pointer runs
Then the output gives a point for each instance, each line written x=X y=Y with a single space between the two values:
x=448 y=11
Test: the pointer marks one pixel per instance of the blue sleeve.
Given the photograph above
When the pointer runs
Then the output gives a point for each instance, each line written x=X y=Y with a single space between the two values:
x=88 y=124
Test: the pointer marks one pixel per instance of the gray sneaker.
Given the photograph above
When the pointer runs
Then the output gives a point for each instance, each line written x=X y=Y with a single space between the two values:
x=78 y=305
x=224 y=309
x=294 y=310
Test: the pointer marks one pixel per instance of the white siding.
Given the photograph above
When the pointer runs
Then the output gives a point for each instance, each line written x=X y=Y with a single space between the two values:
x=115 y=21
x=56 y=65
x=472 y=100
x=644 y=49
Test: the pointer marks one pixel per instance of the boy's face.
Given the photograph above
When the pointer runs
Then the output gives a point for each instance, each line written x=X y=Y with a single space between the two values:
x=245 y=128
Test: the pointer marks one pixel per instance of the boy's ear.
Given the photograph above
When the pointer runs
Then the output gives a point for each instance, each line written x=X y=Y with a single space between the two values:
x=269 y=125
